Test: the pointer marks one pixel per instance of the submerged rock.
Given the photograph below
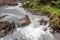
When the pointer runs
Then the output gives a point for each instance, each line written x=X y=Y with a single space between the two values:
x=23 y=22
x=5 y=28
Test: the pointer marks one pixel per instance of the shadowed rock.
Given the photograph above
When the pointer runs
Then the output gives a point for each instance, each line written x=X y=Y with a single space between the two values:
x=5 y=28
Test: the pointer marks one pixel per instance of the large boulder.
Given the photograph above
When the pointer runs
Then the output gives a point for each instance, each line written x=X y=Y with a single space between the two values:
x=7 y=27
x=23 y=22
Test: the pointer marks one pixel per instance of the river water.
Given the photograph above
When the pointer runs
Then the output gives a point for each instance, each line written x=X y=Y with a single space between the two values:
x=33 y=31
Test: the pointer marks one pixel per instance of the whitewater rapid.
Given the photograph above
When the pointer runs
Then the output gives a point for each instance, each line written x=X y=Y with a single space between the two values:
x=34 y=31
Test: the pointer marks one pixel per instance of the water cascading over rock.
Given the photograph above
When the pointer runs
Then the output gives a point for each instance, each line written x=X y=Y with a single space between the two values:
x=7 y=27
x=23 y=22
x=33 y=31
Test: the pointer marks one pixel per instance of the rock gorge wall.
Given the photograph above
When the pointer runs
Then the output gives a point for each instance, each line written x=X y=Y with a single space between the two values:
x=6 y=2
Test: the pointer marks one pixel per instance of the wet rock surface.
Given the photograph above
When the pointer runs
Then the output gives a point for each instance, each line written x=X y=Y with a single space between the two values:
x=23 y=22
x=5 y=28
x=3 y=16
x=43 y=22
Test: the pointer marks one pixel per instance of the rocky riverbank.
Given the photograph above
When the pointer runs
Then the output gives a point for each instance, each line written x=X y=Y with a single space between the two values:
x=9 y=2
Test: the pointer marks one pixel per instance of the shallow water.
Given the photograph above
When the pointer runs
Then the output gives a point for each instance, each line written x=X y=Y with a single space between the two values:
x=30 y=32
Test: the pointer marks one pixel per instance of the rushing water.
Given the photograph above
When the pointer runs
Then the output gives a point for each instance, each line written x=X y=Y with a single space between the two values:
x=34 y=31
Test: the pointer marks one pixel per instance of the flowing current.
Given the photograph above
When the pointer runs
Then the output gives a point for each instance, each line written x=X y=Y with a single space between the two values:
x=34 y=31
